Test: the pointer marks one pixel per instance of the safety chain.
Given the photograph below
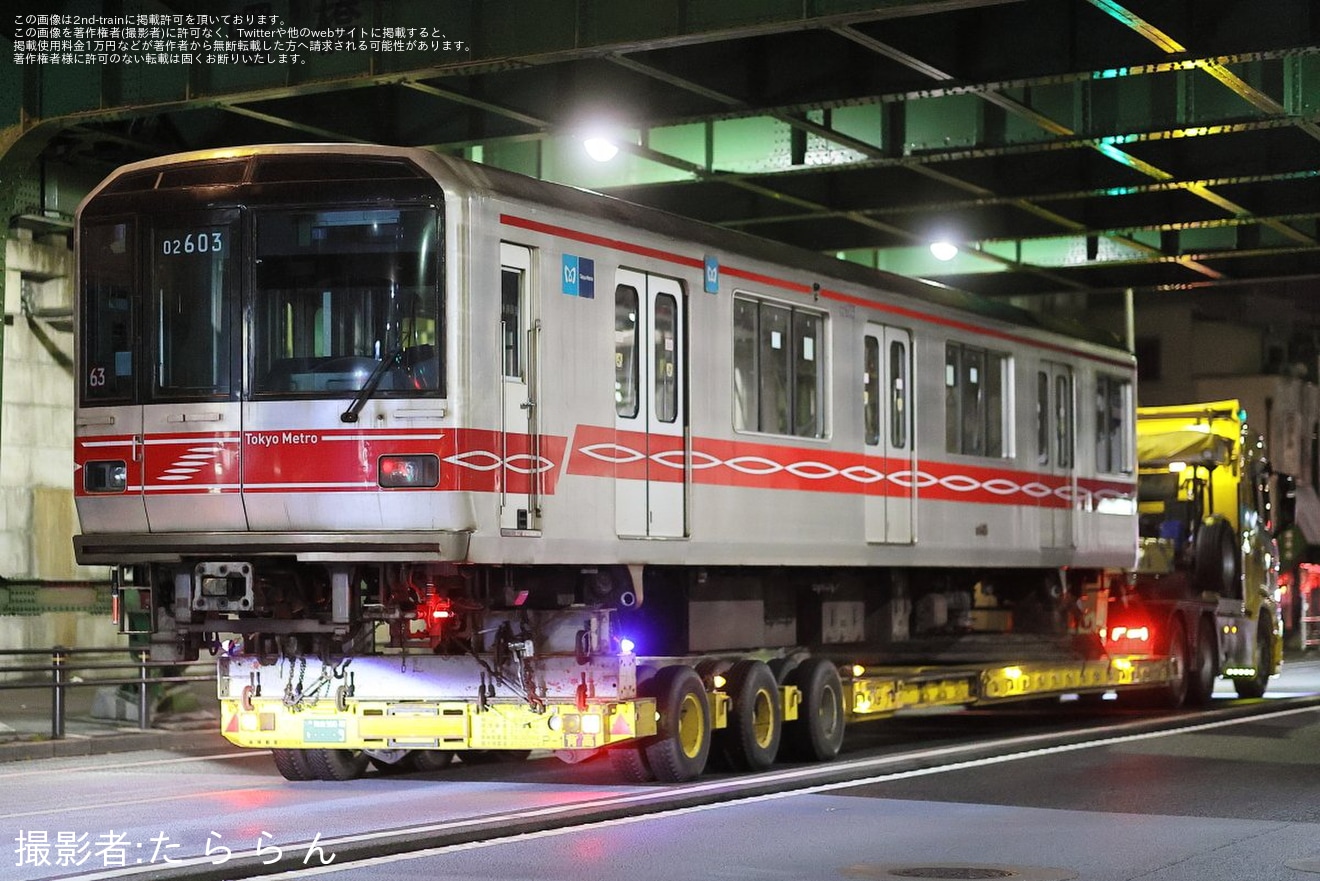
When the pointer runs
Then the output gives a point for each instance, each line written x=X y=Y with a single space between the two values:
x=299 y=697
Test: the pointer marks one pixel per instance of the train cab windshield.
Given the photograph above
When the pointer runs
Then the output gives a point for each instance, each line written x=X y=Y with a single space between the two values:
x=338 y=294
x=215 y=292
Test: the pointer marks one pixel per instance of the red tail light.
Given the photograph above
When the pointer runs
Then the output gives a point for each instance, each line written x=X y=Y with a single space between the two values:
x=1131 y=638
x=435 y=613
x=403 y=472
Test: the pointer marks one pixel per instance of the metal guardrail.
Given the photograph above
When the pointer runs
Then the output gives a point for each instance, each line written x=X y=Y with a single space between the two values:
x=32 y=596
x=61 y=666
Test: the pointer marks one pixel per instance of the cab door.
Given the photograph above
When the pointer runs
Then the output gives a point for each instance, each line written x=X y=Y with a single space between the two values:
x=652 y=471
x=520 y=453
x=888 y=440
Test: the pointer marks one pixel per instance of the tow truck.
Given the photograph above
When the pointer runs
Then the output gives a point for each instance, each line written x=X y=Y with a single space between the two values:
x=1204 y=591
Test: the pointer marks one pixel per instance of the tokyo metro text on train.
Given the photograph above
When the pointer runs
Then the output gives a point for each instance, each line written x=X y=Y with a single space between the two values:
x=439 y=458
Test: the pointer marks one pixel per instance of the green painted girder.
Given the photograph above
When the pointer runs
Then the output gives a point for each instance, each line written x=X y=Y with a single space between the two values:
x=941 y=124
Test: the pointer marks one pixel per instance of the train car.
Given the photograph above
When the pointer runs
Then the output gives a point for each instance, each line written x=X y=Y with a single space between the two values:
x=339 y=405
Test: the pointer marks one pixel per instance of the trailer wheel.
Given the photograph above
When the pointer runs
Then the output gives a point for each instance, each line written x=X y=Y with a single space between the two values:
x=337 y=764
x=1254 y=686
x=1174 y=695
x=292 y=764
x=751 y=742
x=679 y=749
x=1201 y=672
x=629 y=762
x=628 y=759
x=817 y=733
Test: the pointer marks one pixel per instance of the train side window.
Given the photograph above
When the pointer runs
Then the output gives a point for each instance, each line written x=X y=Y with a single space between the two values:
x=807 y=392
x=511 y=285
x=776 y=365
x=666 y=358
x=898 y=418
x=975 y=401
x=1043 y=434
x=626 y=368
x=778 y=369
x=996 y=403
x=1054 y=415
x=746 y=403
x=1113 y=424
x=952 y=398
x=1063 y=401
x=871 y=389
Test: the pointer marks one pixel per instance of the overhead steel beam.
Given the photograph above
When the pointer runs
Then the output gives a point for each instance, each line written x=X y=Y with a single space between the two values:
x=285 y=122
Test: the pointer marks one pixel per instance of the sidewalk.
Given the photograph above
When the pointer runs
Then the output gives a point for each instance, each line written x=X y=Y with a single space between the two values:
x=188 y=719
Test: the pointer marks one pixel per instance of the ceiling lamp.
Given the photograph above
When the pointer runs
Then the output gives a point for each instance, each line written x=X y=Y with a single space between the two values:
x=944 y=250
x=600 y=149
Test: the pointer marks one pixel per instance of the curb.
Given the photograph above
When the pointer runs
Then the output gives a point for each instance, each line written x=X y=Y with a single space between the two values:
x=73 y=745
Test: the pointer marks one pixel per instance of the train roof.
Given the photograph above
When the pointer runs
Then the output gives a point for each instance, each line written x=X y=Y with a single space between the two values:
x=517 y=186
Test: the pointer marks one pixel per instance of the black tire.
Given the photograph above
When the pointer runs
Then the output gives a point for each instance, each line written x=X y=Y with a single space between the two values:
x=629 y=759
x=1254 y=686
x=1203 y=666
x=679 y=750
x=756 y=717
x=1174 y=695
x=629 y=762
x=1215 y=567
x=292 y=764
x=337 y=764
x=817 y=733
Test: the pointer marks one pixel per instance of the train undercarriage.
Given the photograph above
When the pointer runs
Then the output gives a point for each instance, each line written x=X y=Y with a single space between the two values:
x=340 y=667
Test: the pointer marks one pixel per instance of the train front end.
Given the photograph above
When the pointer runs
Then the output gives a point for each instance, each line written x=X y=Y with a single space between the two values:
x=263 y=399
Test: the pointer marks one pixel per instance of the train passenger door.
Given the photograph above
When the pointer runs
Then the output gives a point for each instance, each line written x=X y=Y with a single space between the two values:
x=520 y=472
x=651 y=465
x=1055 y=452
x=888 y=439
x=192 y=417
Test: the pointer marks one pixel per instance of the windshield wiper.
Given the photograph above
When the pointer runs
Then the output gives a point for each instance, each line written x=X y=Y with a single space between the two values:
x=392 y=359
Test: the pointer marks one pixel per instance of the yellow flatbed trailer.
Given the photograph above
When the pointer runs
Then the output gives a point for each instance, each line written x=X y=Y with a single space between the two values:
x=512 y=724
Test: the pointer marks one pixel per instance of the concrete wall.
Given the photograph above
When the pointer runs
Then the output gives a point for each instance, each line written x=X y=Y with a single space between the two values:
x=37 y=517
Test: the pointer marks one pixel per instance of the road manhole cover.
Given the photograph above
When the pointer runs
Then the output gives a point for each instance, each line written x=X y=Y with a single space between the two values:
x=963 y=872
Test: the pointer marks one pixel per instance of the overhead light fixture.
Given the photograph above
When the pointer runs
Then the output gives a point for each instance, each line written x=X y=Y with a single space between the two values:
x=600 y=149
x=944 y=250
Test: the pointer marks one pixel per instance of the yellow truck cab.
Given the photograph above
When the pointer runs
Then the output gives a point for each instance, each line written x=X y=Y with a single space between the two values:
x=1207 y=556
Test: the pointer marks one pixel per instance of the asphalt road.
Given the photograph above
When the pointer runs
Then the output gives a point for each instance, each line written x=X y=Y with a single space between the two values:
x=1085 y=793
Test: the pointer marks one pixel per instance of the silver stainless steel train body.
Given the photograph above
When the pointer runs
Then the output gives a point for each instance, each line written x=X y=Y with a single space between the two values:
x=340 y=401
